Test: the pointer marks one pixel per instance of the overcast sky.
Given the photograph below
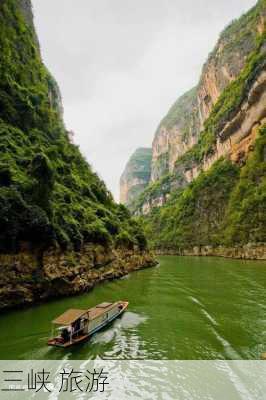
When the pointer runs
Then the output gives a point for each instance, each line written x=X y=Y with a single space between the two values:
x=120 y=65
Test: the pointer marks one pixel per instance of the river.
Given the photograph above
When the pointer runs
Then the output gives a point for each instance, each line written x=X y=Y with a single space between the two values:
x=184 y=308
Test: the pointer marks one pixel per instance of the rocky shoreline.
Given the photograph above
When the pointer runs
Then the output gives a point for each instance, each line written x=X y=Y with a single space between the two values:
x=245 y=252
x=31 y=277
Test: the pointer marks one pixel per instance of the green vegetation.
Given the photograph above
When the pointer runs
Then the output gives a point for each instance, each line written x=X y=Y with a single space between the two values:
x=180 y=111
x=48 y=192
x=139 y=164
x=226 y=205
x=138 y=171
x=194 y=216
x=239 y=37
x=169 y=183
x=161 y=165
x=232 y=97
x=246 y=214
x=154 y=190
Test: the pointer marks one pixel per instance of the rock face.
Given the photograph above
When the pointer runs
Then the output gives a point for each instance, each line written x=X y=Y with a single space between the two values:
x=177 y=132
x=184 y=126
x=30 y=277
x=246 y=252
x=136 y=175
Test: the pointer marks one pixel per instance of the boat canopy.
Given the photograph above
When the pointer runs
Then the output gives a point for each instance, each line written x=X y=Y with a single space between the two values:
x=104 y=305
x=69 y=316
x=100 y=309
x=73 y=315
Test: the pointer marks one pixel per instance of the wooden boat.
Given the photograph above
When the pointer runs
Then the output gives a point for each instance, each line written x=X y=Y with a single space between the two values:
x=75 y=326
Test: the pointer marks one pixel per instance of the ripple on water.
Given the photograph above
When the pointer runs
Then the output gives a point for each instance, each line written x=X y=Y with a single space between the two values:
x=230 y=352
x=126 y=342
x=129 y=320
x=196 y=301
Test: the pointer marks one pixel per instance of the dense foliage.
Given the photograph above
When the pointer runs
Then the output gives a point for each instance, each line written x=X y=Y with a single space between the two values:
x=181 y=112
x=139 y=164
x=48 y=192
x=246 y=213
x=193 y=216
x=136 y=174
x=160 y=188
x=226 y=205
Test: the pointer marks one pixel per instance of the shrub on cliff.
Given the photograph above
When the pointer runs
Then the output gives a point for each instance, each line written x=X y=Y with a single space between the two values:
x=124 y=239
x=246 y=215
x=20 y=221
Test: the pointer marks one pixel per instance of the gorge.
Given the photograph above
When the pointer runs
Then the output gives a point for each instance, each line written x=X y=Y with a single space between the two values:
x=198 y=190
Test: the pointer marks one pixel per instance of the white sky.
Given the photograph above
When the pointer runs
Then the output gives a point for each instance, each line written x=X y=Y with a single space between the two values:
x=120 y=65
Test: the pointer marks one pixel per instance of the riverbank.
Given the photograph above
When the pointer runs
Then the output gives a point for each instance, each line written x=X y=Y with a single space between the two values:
x=31 y=277
x=245 y=252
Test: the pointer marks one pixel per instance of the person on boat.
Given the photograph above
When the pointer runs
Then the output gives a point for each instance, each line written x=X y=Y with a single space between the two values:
x=77 y=327
x=65 y=335
x=72 y=330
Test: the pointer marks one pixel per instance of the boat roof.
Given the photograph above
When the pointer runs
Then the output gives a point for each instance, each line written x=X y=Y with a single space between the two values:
x=72 y=315
x=69 y=316
x=104 y=305
x=100 y=309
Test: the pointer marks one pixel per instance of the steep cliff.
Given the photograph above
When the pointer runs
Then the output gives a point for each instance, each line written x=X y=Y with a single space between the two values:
x=136 y=175
x=60 y=230
x=214 y=119
x=207 y=189
x=180 y=129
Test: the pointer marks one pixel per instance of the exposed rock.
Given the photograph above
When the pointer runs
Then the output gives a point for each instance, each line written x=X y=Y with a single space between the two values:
x=26 y=9
x=235 y=140
x=28 y=277
x=251 y=251
x=136 y=175
x=176 y=134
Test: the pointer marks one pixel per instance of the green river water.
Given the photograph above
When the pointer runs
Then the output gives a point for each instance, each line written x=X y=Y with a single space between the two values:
x=184 y=308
